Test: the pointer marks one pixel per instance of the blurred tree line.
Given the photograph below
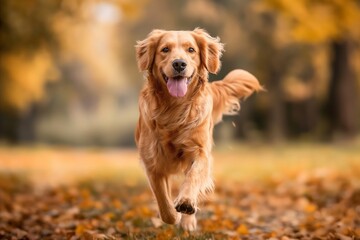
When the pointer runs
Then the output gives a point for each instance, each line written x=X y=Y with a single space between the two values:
x=68 y=72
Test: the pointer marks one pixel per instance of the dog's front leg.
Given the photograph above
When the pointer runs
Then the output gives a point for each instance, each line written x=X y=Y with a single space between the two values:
x=159 y=185
x=197 y=181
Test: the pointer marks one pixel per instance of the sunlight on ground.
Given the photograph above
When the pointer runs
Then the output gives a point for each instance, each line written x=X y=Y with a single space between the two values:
x=52 y=166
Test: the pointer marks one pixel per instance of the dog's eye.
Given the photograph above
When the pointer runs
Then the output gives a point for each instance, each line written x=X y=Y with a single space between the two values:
x=165 y=50
x=191 y=49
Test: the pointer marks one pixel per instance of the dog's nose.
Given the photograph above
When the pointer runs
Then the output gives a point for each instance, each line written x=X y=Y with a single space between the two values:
x=179 y=65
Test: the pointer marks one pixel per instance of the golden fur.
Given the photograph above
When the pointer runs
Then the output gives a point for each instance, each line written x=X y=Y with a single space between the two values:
x=174 y=134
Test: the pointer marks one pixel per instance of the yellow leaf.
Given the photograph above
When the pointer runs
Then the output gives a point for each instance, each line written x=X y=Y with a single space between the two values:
x=242 y=229
x=80 y=229
x=108 y=216
x=129 y=214
x=98 y=205
x=309 y=208
x=120 y=225
x=145 y=211
x=166 y=234
x=117 y=204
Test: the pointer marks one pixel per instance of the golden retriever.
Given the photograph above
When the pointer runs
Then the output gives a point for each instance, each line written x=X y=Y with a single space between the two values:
x=178 y=110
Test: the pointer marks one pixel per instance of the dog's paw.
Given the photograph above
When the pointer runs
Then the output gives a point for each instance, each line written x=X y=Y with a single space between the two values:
x=188 y=222
x=178 y=218
x=185 y=206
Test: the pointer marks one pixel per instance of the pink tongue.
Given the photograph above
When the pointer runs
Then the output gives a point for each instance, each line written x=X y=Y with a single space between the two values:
x=177 y=88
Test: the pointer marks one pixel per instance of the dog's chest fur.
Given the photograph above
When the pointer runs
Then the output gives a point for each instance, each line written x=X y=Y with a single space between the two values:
x=183 y=130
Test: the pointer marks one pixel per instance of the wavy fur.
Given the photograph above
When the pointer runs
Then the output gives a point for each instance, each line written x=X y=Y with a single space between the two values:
x=174 y=134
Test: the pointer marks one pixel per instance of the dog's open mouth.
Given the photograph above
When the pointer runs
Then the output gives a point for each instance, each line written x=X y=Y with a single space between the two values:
x=177 y=85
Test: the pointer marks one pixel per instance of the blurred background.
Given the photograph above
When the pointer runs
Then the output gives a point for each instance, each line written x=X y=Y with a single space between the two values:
x=287 y=164
x=68 y=73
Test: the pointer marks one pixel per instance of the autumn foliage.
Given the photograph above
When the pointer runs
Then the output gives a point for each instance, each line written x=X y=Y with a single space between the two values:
x=68 y=66
x=321 y=202
x=316 y=206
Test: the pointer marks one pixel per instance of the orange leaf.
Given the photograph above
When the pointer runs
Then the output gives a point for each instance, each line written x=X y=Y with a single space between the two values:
x=310 y=208
x=80 y=229
x=242 y=229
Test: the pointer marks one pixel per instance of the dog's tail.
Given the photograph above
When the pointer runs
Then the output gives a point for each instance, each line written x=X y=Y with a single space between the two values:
x=227 y=93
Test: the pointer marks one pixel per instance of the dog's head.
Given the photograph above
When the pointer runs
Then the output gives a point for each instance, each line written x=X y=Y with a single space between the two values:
x=178 y=59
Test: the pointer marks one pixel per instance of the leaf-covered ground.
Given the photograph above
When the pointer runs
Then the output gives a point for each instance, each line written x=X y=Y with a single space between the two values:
x=310 y=201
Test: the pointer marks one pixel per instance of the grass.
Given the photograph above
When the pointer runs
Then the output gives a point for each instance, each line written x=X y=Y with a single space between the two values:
x=236 y=162
x=252 y=162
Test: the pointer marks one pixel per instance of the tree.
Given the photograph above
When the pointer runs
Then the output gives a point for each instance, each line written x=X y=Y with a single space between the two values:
x=26 y=63
x=333 y=22
x=36 y=39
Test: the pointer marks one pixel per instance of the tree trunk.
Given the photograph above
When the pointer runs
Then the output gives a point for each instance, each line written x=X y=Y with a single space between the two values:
x=17 y=127
x=9 y=121
x=342 y=100
x=27 y=121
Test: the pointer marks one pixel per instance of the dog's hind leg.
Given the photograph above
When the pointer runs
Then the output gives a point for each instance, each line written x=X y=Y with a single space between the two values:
x=159 y=185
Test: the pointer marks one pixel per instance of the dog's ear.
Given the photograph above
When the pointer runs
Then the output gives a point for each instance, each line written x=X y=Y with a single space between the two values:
x=145 y=49
x=211 y=50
